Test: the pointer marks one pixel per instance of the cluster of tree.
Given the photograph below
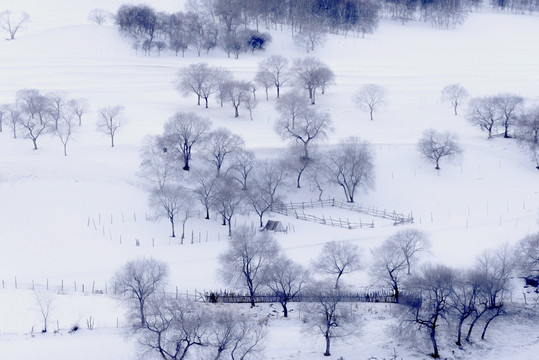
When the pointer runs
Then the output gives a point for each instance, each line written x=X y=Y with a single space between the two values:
x=254 y=262
x=517 y=6
x=441 y=13
x=12 y=24
x=194 y=29
x=175 y=328
x=231 y=180
x=35 y=114
x=308 y=73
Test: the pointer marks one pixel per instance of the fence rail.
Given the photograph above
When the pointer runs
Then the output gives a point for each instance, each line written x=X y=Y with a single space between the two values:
x=291 y=209
x=234 y=298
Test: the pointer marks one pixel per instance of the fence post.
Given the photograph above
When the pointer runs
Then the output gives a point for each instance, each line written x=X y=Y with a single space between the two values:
x=15 y=282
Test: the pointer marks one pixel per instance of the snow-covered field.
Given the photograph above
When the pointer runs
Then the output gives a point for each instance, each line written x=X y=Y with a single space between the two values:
x=76 y=219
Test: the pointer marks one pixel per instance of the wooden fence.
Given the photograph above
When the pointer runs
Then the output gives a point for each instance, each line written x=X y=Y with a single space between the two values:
x=235 y=298
x=291 y=209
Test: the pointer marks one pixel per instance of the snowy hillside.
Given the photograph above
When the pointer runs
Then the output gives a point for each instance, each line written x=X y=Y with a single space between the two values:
x=77 y=219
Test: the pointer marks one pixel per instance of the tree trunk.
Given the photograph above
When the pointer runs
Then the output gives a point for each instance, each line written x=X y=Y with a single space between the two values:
x=328 y=343
x=198 y=103
x=65 y=149
x=236 y=114
x=435 y=354
x=206 y=98
x=112 y=141
x=371 y=113
x=459 y=330
x=285 y=309
x=35 y=143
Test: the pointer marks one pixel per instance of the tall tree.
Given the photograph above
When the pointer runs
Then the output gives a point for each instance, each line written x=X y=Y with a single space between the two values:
x=454 y=94
x=434 y=146
x=337 y=259
x=220 y=143
x=273 y=70
x=110 y=120
x=370 y=97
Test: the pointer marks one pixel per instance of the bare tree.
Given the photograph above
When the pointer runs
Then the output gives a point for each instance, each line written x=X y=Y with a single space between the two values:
x=246 y=261
x=138 y=280
x=350 y=165
x=286 y=279
x=235 y=335
x=14 y=114
x=170 y=201
x=228 y=199
x=337 y=259
x=388 y=266
x=157 y=166
x=527 y=255
x=273 y=71
x=464 y=297
x=310 y=127
x=172 y=328
x=484 y=113
x=65 y=128
x=411 y=242
x=454 y=94
x=310 y=37
x=204 y=190
x=79 y=107
x=427 y=303
x=243 y=164
x=527 y=133
x=11 y=25
x=508 y=107
x=100 y=16
x=45 y=303
x=290 y=107
x=237 y=92
x=34 y=126
x=370 y=97
x=250 y=104
x=311 y=74
x=110 y=120
x=57 y=105
x=199 y=79
x=269 y=176
x=219 y=144
x=434 y=146
x=329 y=316
x=3 y=115
x=496 y=267
x=183 y=131
x=222 y=76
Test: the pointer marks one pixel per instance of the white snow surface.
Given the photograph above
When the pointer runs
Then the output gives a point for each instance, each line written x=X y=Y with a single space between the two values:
x=74 y=220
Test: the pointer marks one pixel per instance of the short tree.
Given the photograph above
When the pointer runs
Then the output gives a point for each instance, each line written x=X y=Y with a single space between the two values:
x=3 y=115
x=100 y=16
x=45 y=303
x=329 y=316
x=237 y=92
x=79 y=107
x=370 y=97
x=138 y=280
x=169 y=201
x=220 y=143
x=183 y=131
x=273 y=71
x=527 y=133
x=388 y=266
x=110 y=120
x=338 y=258
x=309 y=37
x=311 y=74
x=455 y=94
x=434 y=146
x=508 y=107
x=246 y=261
x=242 y=166
x=427 y=303
x=13 y=25
x=290 y=107
x=351 y=166
x=14 y=117
x=227 y=199
x=65 y=128
x=157 y=167
x=198 y=79
x=34 y=126
x=286 y=279
x=205 y=183
x=484 y=113
x=527 y=255
x=411 y=242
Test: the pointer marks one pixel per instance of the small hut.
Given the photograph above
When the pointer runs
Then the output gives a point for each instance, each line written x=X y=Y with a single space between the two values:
x=272 y=225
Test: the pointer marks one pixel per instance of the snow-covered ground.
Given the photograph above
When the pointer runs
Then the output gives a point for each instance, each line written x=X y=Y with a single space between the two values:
x=76 y=219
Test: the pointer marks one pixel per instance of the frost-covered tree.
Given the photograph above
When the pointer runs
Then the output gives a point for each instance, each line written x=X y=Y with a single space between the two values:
x=370 y=97
x=110 y=120
x=455 y=94
x=11 y=24
x=527 y=132
x=311 y=74
x=220 y=143
x=139 y=279
x=237 y=92
x=351 y=166
x=388 y=266
x=273 y=71
x=182 y=132
x=484 y=113
x=508 y=107
x=286 y=279
x=227 y=199
x=198 y=79
x=411 y=242
x=246 y=262
x=337 y=259
x=434 y=146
